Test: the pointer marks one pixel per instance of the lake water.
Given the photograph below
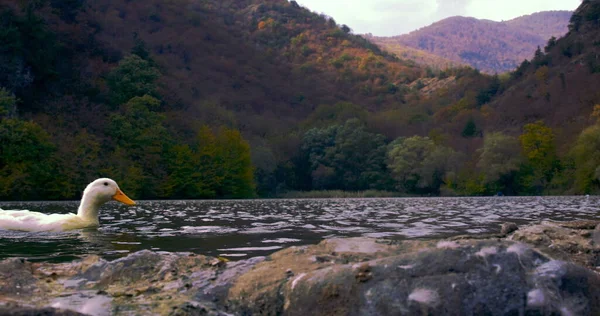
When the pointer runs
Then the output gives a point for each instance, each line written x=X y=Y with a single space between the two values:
x=242 y=229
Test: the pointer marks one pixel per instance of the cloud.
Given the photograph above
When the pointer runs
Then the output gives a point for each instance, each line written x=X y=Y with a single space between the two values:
x=447 y=8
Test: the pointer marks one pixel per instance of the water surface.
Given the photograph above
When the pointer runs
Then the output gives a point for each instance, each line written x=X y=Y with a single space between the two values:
x=241 y=229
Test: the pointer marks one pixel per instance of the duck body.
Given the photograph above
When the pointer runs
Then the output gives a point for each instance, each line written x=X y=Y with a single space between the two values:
x=95 y=195
x=39 y=222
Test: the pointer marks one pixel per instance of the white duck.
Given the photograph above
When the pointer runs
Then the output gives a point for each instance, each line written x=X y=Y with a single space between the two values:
x=95 y=194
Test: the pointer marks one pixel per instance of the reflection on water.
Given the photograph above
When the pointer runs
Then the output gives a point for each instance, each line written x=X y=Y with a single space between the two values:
x=239 y=229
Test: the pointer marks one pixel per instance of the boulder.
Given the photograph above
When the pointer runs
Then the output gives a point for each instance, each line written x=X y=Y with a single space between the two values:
x=569 y=241
x=538 y=270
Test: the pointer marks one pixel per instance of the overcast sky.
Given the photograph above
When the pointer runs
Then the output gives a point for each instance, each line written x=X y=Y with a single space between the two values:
x=394 y=17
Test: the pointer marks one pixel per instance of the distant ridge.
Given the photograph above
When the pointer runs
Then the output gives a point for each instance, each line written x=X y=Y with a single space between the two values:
x=492 y=47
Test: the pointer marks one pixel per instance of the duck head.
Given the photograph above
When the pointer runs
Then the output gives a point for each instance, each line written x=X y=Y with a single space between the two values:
x=103 y=190
x=97 y=193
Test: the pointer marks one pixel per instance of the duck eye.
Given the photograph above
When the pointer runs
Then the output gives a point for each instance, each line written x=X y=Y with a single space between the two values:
x=106 y=183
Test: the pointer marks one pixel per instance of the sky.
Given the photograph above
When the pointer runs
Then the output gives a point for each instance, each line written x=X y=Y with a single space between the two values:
x=395 y=17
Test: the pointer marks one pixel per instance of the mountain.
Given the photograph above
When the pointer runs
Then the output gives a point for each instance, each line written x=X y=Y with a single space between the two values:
x=544 y=24
x=237 y=99
x=559 y=84
x=493 y=47
x=79 y=70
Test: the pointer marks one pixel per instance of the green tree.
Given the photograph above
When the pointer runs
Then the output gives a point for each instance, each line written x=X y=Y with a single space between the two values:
x=470 y=129
x=500 y=161
x=234 y=164
x=346 y=157
x=214 y=166
x=539 y=149
x=133 y=77
x=419 y=165
x=358 y=158
x=586 y=154
x=29 y=53
x=141 y=140
x=182 y=179
x=210 y=177
x=8 y=103
x=29 y=168
x=84 y=158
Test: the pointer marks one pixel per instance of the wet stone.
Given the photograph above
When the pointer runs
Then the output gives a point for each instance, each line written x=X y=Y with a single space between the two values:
x=542 y=269
x=508 y=228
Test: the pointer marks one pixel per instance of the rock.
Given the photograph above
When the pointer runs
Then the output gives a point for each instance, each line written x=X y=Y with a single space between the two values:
x=16 y=278
x=508 y=228
x=29 y=311
x=569 y=241
x=539 y=270
x=477 y=277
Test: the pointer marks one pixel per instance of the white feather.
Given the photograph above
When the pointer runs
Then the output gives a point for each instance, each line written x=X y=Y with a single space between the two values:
x=94 y=195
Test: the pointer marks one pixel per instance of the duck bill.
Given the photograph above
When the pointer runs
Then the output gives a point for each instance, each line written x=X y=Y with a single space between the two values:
x=121 y=197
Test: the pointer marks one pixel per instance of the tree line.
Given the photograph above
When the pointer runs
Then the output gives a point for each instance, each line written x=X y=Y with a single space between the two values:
x=136 y=148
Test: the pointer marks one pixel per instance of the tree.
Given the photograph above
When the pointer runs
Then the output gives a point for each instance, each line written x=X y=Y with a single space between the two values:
x=470 y=129
x=500 y=161
x=139 y=48
x=213 y=167
x=141 y=140
x=181 y=181
x=537 y=144
x=234 y=165
x=29 y=53
x=8 y=104
x=133 y=77
x=209 y=176
x=586 y=154
x=29 y=168
x=358 y=158
x=419 y=165
x=346 y=157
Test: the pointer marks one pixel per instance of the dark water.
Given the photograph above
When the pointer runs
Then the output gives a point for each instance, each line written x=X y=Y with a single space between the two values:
x=240 y=229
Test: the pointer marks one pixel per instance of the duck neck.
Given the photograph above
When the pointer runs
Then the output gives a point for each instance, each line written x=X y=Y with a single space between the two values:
x=88 y=208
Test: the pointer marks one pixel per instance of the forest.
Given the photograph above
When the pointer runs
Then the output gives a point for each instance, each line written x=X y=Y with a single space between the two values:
x=244 y=99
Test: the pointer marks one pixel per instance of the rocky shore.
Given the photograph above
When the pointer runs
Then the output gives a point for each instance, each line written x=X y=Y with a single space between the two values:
x=544 y=269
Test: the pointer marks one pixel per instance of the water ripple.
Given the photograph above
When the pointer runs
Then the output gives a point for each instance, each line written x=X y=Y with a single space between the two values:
x=263 y=226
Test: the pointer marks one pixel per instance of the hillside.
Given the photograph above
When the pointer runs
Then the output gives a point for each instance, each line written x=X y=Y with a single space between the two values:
x=544 y=24
x=493 y=47
x=421 y=57
x=80 y=70
x=240 y=99
x=559 y=84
